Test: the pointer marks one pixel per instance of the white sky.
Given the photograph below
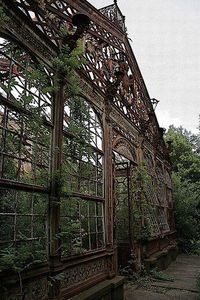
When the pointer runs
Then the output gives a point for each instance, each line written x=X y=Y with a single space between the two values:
x=166 y=43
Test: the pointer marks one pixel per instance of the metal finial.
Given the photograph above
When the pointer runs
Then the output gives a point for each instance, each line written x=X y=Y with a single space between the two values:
x=115 y=1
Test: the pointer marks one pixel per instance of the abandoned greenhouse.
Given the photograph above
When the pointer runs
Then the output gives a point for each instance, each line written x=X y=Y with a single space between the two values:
x=84 y=170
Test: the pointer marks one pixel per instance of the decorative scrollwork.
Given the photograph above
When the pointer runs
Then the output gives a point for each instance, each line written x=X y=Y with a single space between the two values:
x=82 y=272
x=123 y=147
x=113 y=13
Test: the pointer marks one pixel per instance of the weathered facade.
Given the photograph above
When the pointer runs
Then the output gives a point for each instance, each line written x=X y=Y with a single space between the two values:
x=75 y=228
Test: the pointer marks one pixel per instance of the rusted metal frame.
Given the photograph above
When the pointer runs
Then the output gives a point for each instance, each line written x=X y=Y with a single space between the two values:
x=96 y=73
x=127 y=119
x=55 y=151
x=11 y=184
x=76 y=260
x=140 y=247
x=136 y=70
x=160 y=205
x=93 y=33
x=131 y=209
x=85 y=197
x=22 y=240
x=59 y=13
x=83 y=258
x=7 y=103
x=5 y=120
x=36 y=8
x=90 y=82
x=95 y=15
x=131 y=117
x=126 y=173
x=13 y=7
x=108 y=180
x=56 y=154
x=115 y=9
x=54 y=210
x=67 y=18
x=24 y=159
x=14 y=106
x=17 y=134
x=18 y=29
x=19 y=214
x=80 y=160
x=135 y=67
x=71 y=135
x=150 y=145
x=21 y=110
x=11 y=58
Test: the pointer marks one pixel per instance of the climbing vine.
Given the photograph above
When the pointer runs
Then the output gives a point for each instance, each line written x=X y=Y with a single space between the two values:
x=32 y=115
x=140 y=182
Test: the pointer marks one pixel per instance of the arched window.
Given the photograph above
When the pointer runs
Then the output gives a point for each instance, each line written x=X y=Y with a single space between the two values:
x=82 y=213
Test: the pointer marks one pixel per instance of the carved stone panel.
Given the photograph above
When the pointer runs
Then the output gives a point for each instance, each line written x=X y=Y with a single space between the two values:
x=82 y=272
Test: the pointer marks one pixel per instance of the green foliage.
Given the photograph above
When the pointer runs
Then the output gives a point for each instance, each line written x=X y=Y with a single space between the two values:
x=184 y=155
x=22 y=254
x=186 y=186
x=21 y=257
x=66 y=63
x=140 y=182
x=40 y=80
x=3 y=16
x=161 y=276
x=56 y=278
x=144 y=234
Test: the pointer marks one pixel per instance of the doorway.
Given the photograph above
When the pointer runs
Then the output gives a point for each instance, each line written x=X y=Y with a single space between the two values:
x=122 y=168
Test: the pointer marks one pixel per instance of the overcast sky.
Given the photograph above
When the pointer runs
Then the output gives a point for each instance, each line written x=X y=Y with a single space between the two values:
x=166 y=43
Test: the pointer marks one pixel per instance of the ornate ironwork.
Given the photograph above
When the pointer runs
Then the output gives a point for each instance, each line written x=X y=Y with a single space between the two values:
x=58 y=177
x=113 y=13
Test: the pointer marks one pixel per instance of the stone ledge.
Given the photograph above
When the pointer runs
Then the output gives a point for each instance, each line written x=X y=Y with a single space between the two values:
x=161 y=259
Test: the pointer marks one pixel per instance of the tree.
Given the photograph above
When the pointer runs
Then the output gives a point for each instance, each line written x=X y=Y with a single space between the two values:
x=185 y=160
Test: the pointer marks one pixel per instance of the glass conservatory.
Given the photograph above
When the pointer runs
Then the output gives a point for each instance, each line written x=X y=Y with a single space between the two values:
x=85 y=175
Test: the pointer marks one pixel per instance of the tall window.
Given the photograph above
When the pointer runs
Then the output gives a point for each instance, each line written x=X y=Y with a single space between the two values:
x=151 y=209
x=25 y=134
x=82 y=207
x=162 y=197
x=122 y=195
x=156 y=195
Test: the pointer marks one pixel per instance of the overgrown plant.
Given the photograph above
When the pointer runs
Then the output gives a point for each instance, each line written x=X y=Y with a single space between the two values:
x=184 y=152
x=19 y=257
x=4 y=19
x=33 y=116
x=161 y=275
x=18 y=260
x=140 y=182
